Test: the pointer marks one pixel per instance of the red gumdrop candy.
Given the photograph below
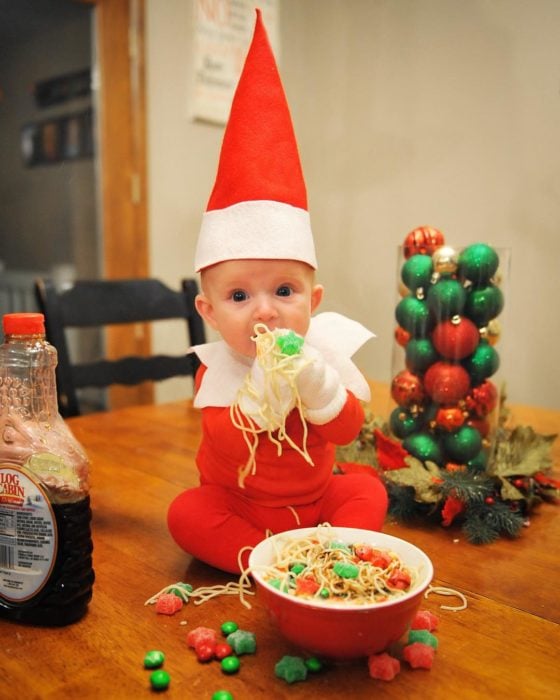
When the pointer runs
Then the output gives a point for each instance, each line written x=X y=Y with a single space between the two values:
x=306 y=586
x=205 y=651
x=419 y=655
x=399 y=579
x=383 y=666
x=425 y=620
x=222 y=650
x=202 y=634
x=168 y=604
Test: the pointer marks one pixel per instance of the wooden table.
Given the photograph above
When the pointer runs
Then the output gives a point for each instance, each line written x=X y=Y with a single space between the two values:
x=505 y=644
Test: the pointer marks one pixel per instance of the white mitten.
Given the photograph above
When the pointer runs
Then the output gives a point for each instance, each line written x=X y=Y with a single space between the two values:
x=266 y=399
x=322 y=393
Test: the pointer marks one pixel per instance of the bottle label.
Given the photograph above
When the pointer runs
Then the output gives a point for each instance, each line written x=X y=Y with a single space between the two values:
x=28 y=535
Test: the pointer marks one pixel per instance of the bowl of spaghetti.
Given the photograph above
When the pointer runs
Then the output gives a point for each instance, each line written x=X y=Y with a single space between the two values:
x=337 y=592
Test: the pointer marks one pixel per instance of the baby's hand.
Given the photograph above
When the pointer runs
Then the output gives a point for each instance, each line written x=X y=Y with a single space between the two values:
x=322 y=393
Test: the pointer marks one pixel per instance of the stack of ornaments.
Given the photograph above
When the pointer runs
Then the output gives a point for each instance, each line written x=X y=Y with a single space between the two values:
x=447 y=400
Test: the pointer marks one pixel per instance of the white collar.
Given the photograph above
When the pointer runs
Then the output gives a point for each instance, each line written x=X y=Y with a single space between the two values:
x=334 y=335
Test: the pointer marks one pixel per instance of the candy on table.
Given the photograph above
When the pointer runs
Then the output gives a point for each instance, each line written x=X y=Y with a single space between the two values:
x=222 y=650
x=425 y=620
x=383 y=666
x=228 y=627
x=168 y=604
x=242 y=642
x=159 y=680
x=291 y=669
x=422 y=636
x=180 y=590
x=419 y=655
x=202 y=634
x=222 y=695
x=205 y=651
x=230 y=664
x=154 y=659
x=313 y=664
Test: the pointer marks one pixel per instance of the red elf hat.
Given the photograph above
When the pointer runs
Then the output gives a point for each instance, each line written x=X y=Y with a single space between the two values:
x=258 y=207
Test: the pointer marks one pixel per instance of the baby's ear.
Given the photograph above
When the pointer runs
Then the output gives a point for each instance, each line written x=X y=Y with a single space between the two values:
x=205 y=309
x=316 y=296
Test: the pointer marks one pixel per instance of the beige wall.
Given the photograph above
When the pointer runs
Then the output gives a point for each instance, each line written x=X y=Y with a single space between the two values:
x=407 y=112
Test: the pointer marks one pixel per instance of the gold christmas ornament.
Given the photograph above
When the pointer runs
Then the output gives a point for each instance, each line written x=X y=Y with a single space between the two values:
x=445 y=260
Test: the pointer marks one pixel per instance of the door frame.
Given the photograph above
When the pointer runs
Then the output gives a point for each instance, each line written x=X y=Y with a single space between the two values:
x=121 y=128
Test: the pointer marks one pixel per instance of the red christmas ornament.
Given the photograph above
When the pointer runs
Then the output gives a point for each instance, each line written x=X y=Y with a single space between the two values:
x=483 y=399
x=456 y=338
x=480 y=424
x=450 y=417
x=401 y=336
x=423 y=240
x=406 y=389
x=446 y=383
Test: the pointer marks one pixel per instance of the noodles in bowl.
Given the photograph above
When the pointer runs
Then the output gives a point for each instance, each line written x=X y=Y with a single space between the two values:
x=342 y=593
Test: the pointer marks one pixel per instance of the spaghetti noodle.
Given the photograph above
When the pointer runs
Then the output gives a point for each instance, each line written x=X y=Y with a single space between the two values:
x=321 y=568
x=274 y=401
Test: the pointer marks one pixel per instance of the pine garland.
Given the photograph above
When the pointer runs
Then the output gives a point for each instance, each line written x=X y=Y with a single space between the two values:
x=486 y=504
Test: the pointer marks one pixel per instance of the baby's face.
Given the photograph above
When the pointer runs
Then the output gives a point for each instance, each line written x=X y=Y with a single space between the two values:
x=237 y=294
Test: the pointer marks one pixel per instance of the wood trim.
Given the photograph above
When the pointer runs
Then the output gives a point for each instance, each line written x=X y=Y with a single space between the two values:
x=122 y=148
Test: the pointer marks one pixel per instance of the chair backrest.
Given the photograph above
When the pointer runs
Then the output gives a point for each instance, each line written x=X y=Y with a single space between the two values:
x=99 y=303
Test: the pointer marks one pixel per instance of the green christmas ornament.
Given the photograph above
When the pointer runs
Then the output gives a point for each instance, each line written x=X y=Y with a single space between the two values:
x=420 y=354
x=416 y=272
x=483 y=304
x=413 y=315
x=404 y=423
x=462 y=445
x=446 y=299
x=483 y=363
x=479 y=462
x=424 y=447
x=478 y=263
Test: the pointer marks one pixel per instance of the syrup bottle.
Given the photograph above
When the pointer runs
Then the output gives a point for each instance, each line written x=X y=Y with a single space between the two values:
x=46 y=572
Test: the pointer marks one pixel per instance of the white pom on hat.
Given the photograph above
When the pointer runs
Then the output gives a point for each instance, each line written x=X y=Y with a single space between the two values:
x=258 y=206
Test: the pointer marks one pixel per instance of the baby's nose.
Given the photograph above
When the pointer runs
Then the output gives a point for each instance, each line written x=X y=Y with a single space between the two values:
x=265 y=309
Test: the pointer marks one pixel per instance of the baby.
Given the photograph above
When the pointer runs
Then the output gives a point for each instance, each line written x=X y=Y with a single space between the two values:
x=268 y=471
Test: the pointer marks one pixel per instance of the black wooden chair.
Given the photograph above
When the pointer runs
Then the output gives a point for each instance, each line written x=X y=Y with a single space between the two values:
x=99 y=303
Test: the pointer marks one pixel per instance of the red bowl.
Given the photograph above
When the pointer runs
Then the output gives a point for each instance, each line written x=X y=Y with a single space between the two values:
x=341 y=631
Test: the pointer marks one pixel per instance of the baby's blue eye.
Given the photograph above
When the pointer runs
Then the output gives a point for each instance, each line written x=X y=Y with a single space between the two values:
x=239 y=295
x=283 y=291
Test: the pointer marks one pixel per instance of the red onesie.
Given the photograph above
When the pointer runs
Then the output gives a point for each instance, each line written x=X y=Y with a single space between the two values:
x=214 y=521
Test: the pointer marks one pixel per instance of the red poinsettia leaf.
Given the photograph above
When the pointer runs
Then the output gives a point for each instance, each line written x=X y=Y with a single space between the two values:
x=451 y=508
x=390 y=454
x=544 y=480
